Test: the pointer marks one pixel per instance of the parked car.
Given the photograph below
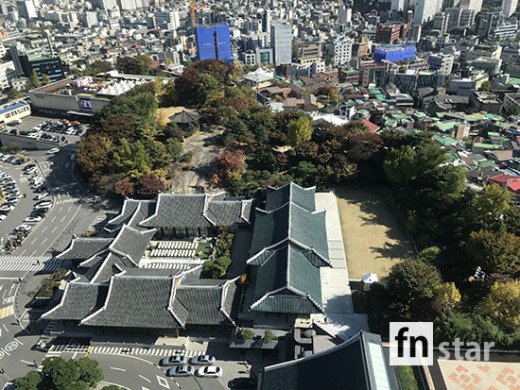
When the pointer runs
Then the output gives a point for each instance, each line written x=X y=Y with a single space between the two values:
x=210 y=372
x=203 y=360
x=174 y=360
x=23 y=228
x=30 y=170
x=2 y=217
x=242 y=383
x=181 y=371
x=32 y=219
x=6 y=208
x=44 y=203
x=53 y=151
x=41 y=196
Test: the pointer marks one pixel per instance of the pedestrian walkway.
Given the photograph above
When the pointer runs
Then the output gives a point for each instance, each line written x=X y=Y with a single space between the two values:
x=144 y=351
x=29 y=263
x=6 y=311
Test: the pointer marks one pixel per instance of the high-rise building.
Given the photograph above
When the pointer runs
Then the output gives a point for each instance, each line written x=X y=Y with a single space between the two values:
x=341 y=51
x=281 y=40
x=214 y=42
x=397 y=5
x=509 y=7
x=7 y=73
x=425 y=9
x=26 y=9
x=475 y=5
x=266 y=21
x=442 y=63
x=440 y=22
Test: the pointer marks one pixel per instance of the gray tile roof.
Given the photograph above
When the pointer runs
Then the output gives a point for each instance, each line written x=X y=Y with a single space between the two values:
x=225 y=212
x=78 y=301
x=83 y=248
x=290 y=223
x=287 y=281
x=112 y=264
x=358 y=363
x=141 y=300
x=136 y=302
x=132 y=243
x=145 y=210
x=128 y=209
x=179 y=211
x=290 y=192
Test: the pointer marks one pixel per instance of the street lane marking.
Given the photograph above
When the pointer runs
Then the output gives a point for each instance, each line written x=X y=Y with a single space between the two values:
x=163 y=382
x=6 y=311
x=26 y=362
x=117 y=368
x=146 y=379
x=5 y=327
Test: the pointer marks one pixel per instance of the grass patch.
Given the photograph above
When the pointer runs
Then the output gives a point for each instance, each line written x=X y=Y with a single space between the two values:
x=406 y=378
x=204 y=249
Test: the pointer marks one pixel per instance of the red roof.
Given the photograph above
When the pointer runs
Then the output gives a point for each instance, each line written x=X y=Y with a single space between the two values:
x=502 y=179
x=371 y=127
x=514 y=185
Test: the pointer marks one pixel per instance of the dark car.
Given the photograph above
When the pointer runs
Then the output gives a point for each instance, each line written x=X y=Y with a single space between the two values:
x=242 y=383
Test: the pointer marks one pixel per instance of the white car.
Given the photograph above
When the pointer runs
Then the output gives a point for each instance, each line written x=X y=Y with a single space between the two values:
x=203 y=360
x=53 y=151
x=2 y=217
x=41 y=196
x=174 y=360
x=31 y=170
x=32 y=219
x=6 y=208
x=181 y=371
x=210 y=372
x=23 y=228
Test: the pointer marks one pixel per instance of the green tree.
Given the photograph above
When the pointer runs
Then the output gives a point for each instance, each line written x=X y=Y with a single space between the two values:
x=93 y=154
x=140 y=64
x=112 y=387
x=207 y=87
x=447 y=297
x=45 y=79
x=13 y=94
x=35 y=79
x=174 y=147
x=429 y=255
x=488 y=207
x=246 y=334
x=502 y=305
x=299 y=130
x=59 y=374
x=400 y=165
x=304 y=173
x=132 y=159
x=89 y=371
x=485 y=86
x=495 y=252
x=31 y=381
x=413 y=285
x=467 y=327
x=96 y=67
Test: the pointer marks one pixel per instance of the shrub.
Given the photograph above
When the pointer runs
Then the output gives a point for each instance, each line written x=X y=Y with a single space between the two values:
x=247 y=334
x=268 y=336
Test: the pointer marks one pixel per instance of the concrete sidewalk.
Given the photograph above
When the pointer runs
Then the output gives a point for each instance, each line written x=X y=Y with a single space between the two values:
x=335 y=289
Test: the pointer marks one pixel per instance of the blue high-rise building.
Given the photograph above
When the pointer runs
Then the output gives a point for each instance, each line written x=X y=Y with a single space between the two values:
x=214 y=42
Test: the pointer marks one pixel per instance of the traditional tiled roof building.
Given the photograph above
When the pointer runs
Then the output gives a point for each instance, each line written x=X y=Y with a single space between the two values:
x=289 y=246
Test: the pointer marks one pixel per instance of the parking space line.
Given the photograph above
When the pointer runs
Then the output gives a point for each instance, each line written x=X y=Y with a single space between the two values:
x=53 y=230
x=45 y=240
x=117 y=368
x=45 y=228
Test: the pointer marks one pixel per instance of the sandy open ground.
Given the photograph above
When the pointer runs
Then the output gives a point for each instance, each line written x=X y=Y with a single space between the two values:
x=373 y=238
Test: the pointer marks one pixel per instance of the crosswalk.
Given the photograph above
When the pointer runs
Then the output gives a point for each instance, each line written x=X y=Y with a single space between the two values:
x=109 y=350
x=144 y=351
x=6 y=311
x=29 y=263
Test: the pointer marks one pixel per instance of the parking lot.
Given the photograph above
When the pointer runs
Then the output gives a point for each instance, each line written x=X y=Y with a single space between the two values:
x=50 y=128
